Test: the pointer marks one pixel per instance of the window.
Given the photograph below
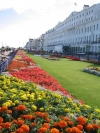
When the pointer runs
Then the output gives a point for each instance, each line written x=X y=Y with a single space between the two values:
x=94 y=27
x=85 y=29
x=90 y=28
x=97 y=26
x=82 y=30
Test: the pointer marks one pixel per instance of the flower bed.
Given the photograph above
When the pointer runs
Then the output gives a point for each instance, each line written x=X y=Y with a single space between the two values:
x=29 y=108
x=50 y=57
x=73 y=58
x=92 y=70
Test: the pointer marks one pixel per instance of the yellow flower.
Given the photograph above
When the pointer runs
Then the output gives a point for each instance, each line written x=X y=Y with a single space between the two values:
x=33 y=107
x=67 y=110
x=41 y=109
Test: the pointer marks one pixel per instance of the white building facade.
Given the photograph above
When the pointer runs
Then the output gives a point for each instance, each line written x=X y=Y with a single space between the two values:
x=80 y=31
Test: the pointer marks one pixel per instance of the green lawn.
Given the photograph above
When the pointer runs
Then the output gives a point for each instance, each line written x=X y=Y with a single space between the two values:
x=69 y=73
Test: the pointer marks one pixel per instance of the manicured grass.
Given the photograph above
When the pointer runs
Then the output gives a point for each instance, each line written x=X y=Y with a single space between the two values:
x=69 y=73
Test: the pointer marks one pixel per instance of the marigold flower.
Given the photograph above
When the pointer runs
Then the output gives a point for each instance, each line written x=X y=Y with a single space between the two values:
x=76 y=130
x=89 y=127
x=14 y=121
x=40 y=114
x=29 y=117
x=47 y=125
x=70 y=123
x=54 y=130
x=62 y=124
x=66 y=118
x=48 y=120
x=7 y=125
x=42 y=130
x=1 y=119
x=21 y=107
x=0 y=127
x=95 y=126
x=33 y=124
x=81 y=120
x=55 y=124
x=19 y=130
x=4 y=108
x=80 y=127
x=9 y=111
x=69 y=130
x=20 y=122
x=25 y=128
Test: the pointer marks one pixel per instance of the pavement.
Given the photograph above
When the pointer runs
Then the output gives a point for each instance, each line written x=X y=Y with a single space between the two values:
x=4 y=55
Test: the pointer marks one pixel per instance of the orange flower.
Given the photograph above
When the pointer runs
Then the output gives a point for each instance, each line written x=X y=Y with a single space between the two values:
x=69 y=130
x=40 y=114
x=81 y=120
x=55 y=124
x=62 y=124
x=66 y=118
x=14 y=121
x=33 y=124
x=9 y=111
x=42 y=130
x=89 y=127
x=19 y=130
x=47 y=125
x=29 y=117
x=21 y=107
x=54 y=130
x=4 y=108
x=48 y=120
x=76 y=130
x=70 y=123
x=25 y=128
x=95 y=126
x=80 y=127
x=1 y=119
x=7 y=125
x=20 y=122
x=0 y=127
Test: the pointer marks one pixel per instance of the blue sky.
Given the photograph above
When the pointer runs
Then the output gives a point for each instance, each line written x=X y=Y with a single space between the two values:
x=24 y=19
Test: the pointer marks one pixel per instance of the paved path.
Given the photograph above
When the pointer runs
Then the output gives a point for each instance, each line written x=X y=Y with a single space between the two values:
x=4 y=55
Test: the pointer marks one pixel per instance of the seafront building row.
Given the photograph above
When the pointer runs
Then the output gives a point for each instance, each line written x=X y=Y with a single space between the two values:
x=80 y=31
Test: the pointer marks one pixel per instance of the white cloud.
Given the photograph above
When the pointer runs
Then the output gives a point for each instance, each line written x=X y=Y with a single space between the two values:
x=39 y=16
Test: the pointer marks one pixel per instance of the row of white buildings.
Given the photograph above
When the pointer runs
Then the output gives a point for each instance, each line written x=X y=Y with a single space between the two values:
x=80 y=31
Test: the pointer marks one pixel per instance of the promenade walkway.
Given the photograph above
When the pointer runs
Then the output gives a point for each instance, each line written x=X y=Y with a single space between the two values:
x=4 y=55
